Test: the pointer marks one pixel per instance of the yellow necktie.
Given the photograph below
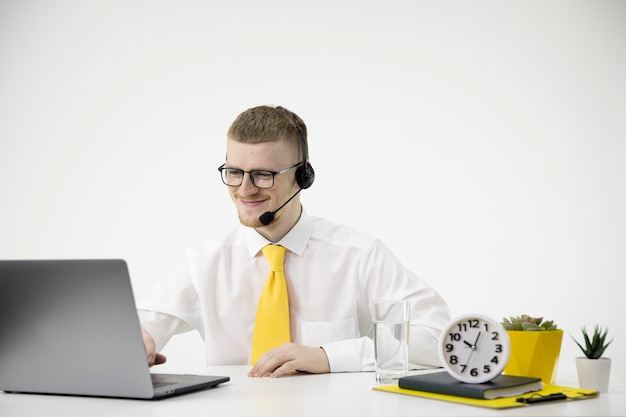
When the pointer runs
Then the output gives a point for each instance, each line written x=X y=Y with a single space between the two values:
x=271 y=328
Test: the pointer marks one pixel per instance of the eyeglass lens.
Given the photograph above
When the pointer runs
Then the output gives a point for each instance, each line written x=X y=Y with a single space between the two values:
x=261 y=179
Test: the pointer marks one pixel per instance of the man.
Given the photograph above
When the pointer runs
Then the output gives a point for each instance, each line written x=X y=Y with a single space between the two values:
x=333 y=272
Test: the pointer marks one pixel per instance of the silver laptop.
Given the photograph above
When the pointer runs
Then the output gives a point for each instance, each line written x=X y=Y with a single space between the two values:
x=71 y=327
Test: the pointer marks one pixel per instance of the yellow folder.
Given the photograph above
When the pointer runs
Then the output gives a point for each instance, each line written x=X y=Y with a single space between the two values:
x=506 y=402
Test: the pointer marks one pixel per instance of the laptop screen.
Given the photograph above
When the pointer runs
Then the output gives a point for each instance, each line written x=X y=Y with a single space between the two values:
x=71 y=327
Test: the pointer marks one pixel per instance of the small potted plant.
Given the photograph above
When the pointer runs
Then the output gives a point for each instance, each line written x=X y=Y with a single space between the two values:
x=535 y=347
x=594 y=369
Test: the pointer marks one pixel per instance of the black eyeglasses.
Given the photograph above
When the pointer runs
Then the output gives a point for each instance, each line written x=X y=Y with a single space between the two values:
x=261 y=178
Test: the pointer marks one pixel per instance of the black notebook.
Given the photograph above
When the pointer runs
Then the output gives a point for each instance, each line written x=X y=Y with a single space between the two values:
x=444 y=383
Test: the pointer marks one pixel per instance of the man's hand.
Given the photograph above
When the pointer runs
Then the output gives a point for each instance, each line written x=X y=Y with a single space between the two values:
x=153 y=357
x=288 y=358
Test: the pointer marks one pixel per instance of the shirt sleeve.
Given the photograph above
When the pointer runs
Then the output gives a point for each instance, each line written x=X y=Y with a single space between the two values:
x=171 y=306
x=161 y=326
x=357 y=355
x=352 y=355
x=383 y=276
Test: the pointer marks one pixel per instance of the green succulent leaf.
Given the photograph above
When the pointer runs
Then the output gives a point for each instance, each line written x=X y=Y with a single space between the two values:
x=595 y=345
x=525 y=322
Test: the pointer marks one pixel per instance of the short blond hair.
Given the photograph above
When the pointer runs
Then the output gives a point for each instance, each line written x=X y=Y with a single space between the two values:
x=267 y=124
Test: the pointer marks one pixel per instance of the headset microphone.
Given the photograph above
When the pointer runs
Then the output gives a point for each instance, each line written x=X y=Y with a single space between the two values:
x=268 y=217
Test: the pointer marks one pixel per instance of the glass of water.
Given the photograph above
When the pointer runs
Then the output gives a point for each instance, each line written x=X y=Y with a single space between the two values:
x=391 y=339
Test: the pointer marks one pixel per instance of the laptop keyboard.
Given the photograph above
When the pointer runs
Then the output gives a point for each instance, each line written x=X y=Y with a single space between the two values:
x=159 y=384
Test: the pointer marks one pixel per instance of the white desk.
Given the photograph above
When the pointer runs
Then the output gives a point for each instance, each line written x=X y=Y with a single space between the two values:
x=348 y=394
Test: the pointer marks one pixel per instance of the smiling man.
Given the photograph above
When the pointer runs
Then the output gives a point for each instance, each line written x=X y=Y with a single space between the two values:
x=285 y=291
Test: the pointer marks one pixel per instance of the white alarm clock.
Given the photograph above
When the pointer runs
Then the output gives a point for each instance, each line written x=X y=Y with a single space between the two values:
x=474 y=348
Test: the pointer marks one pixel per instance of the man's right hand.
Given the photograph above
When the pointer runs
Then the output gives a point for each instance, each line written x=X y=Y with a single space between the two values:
x=153 y=357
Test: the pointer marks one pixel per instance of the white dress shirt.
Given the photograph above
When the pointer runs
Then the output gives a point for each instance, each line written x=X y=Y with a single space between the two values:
x=333 y=273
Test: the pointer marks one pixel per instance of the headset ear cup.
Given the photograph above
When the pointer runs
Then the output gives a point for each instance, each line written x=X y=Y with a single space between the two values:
x=305 y=175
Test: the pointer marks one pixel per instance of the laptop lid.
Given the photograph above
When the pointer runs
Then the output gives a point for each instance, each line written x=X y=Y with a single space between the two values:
x=71 y=327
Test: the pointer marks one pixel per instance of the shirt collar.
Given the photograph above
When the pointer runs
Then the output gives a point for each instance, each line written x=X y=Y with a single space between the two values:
x=295 y=240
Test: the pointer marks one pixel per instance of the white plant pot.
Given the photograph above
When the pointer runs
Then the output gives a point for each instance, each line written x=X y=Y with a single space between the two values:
x=593 y=373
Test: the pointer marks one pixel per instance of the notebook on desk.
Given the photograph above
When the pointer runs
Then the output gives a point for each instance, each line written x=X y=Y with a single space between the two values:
x=70 y=327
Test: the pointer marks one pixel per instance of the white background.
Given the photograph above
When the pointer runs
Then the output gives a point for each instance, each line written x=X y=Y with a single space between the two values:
x=483 y=141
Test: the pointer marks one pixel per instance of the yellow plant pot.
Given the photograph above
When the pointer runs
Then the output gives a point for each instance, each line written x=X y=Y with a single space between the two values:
x=534 y=353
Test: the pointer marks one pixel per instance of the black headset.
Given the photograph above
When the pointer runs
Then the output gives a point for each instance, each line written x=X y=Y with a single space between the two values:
x=305 y=174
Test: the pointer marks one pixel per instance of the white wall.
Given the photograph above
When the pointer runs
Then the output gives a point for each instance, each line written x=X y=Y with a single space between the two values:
x=482 y=141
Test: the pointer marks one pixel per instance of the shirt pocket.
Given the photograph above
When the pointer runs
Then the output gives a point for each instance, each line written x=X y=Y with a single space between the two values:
x=318 y=333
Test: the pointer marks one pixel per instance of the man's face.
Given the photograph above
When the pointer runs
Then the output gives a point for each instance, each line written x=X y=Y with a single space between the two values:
x=252 y=201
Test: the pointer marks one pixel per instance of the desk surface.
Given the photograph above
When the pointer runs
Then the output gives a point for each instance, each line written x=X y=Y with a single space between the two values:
x=342 y=394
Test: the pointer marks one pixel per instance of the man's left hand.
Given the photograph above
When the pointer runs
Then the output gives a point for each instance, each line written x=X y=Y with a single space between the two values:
x=289 y=358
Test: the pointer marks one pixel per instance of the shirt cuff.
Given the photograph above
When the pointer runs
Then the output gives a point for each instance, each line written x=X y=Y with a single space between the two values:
x=160 y=326
x=352 y=355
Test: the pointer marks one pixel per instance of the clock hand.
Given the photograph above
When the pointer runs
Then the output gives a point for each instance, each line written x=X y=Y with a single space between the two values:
x=473 y=348
x=476 y=342
x=469 y=357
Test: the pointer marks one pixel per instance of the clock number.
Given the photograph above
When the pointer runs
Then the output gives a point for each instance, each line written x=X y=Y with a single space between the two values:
x=486 y=369
x=494 y=360
x=454 y=360
x=471 y=324
x=494 y=336
x=498 y=348
x=455 y=337
x=449 y=347
x=474 y=372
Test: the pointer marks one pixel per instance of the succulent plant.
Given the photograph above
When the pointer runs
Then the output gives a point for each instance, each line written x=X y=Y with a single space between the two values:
x=524 y=322
x=595 y=345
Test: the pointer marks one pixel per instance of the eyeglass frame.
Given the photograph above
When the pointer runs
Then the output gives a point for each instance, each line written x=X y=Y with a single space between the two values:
x=250 y=173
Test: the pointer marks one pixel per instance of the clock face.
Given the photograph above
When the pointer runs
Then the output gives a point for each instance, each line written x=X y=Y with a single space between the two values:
x=474 y=348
